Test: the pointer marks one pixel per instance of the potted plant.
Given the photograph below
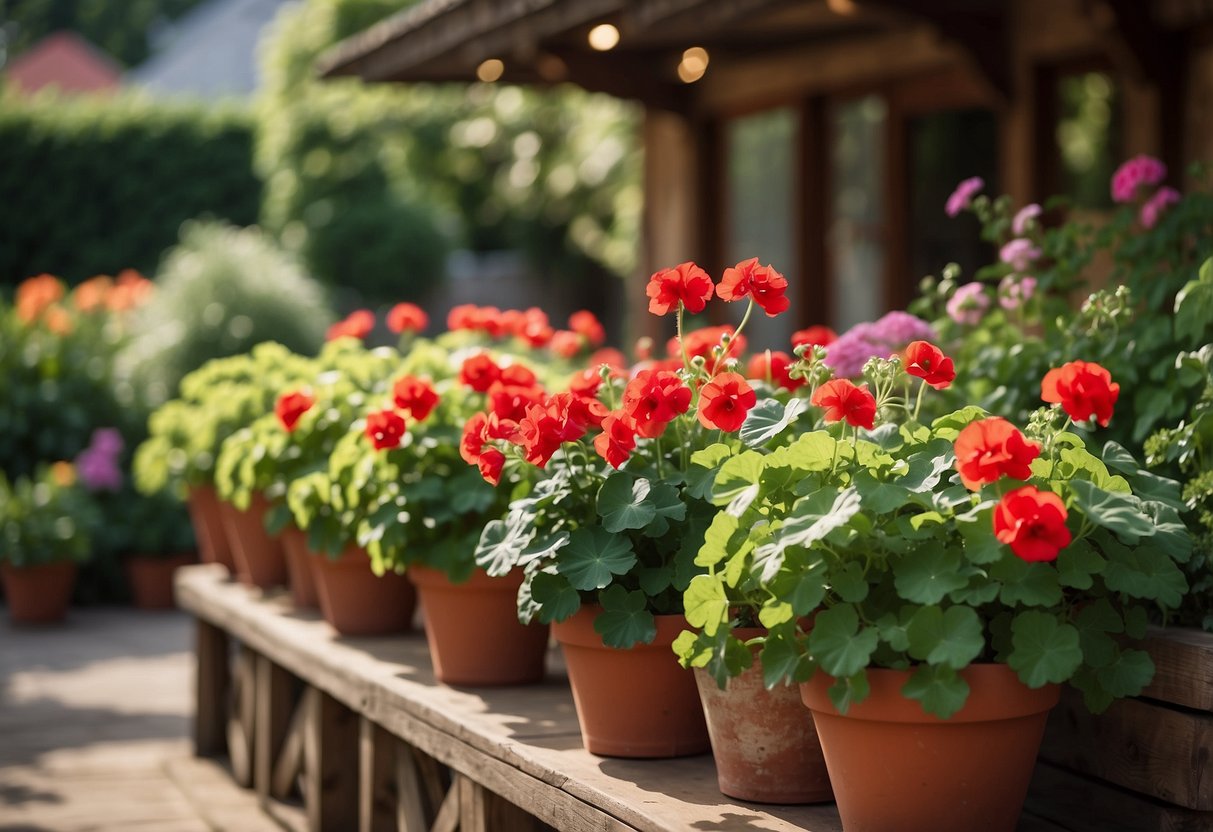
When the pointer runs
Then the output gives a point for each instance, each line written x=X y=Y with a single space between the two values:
x=46 y=523
x=931 y=585
x=607 y=538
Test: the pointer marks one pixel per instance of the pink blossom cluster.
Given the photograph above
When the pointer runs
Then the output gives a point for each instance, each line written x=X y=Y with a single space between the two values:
x=963 y=195
x=1140 y=171
x=875 y=339
x=968 y=304
x=97 y=465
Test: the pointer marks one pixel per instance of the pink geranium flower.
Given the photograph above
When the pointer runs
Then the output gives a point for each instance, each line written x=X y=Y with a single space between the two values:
x=1019 y=254
x=968 y=304
x=1140 y=171
x=963 y=195
x=1155 y=205
x=1024 y=216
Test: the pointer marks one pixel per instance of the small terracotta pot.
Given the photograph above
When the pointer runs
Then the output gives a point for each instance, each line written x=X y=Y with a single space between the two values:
x=213 y=547
x=894 y=766
x=355 y=602
x=632 y=703
x=38 y=594
x=299 y=567
x=764 y=742
x=259 y=558
x=473 y=630
x=151 y=579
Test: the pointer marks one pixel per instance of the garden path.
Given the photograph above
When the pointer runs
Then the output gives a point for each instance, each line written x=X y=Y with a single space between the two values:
x=94 y=727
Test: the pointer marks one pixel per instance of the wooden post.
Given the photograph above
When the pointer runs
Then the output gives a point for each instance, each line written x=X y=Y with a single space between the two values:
x=376 y=778
x=330 y=752
x=243 y=714
x=481 y=810
x=411 y=808
x=273 y=715
x=211 y=689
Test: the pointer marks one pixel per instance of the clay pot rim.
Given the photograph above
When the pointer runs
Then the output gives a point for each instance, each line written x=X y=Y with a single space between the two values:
x=995 y=693
x=428 y=577
x=578 y=630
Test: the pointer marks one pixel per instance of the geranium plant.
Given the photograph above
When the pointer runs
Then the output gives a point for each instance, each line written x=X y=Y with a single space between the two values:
x=621 y=508
x=876 y=540
x=47 y=518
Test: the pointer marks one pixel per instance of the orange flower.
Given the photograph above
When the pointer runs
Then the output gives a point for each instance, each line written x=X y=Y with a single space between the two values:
x=1084 y=390
x=36 y=294
x=407 y=317
x=92 y=294
x=358 y=324
x=58 y=320
x=63 y=474
x=130 y=290
x=989 y=449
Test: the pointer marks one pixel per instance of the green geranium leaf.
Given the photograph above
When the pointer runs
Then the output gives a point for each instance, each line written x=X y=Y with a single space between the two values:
x=1077 y=563
x=816 y=515
x=767 y=419
x=736 y=474
x=1170 y=533
x=849 y=583
x=1027 y=584
x=501 y=545
x=702 y=471
x=593 y=556
x=927 y=574
x=940 y=690
x=667 y=506
x=782 y=659
x=1101 y=616
x=894 y=629
x=1043 y=650
x=980 y=544
x=691 y=649
x=623 y=503
x=1137 y=622
x=1145 y=572
x=774 y=613
x=849 y=691
x=1194 y=307
x=810 y=452
x=1120 y=513
x=927 y=467
x=543 y=549
x=809 y=589
x=706 y=604
x=949 y=427
x=837 y=643
x=1128 y=675
x=952 y=637
x=557 y=600
x=654 y=579
x=880 y=497
x=720 y=541
x=624 y=622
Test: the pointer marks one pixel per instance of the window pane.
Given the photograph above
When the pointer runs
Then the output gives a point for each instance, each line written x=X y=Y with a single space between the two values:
x=1088 y=133
x=761 y=211
x=856 y=234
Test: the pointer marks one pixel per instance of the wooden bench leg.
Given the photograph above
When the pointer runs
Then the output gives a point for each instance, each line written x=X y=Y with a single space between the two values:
x=376 y=778
x=211 y=690
x=272 y=718
x=240 y=723
x=330 y=753
x=481 y=810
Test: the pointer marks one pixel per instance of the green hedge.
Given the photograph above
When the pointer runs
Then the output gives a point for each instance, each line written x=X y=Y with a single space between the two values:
x=96 y=186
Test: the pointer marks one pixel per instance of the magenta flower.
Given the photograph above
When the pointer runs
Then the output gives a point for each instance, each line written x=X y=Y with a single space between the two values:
x=97 y=465
x=877 y=339
x=1134 y=174
x=1015 y=290
x=1155 y=205
x=1019 y=253
x=1019 y=225
x=969 y=304
x=963 y=195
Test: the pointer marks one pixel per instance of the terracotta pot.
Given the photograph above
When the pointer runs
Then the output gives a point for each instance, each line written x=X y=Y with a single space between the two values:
x=203 y=506
x=632 y=703
x=473 y=630
x=151 y=579
x=259 y=558
x=764 y=742
x=894 y=766
x=299 y=567
x=38 y=594
x=355 y=602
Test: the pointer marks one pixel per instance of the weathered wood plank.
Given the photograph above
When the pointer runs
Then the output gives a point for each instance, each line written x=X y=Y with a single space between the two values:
x=411 y=810
x=211 y=689
x=1183 y=662
x=240 y=736
x=330 y=752
x=376 y=778
x=1055 y=793
x=273 y=695
x=290 y=759
x=448 y=812
x=1158 y=751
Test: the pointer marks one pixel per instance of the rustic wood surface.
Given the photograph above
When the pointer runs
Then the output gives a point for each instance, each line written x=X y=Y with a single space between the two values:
x=1055 y=793
x=522 y=744
x=1183 y=662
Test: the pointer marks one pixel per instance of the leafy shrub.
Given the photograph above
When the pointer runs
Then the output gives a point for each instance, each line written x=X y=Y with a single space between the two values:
x=144 y=166
x=46 y=518
x=220 y=292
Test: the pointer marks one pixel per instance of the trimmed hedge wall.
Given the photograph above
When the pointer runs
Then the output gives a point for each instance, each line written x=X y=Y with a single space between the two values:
x=95 y=186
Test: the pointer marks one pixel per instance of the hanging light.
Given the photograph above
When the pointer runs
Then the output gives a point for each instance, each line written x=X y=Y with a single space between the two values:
x=693 y=65
x=603 y=37
x=490 y=70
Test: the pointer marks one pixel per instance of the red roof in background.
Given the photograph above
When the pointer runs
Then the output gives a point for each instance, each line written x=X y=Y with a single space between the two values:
x=64 y=60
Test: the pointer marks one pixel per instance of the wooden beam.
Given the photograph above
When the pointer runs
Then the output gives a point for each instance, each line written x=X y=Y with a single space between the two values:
x=242 y=717
x=376 y=778
x=211 y=685
x=330 y=752
x=274 y=698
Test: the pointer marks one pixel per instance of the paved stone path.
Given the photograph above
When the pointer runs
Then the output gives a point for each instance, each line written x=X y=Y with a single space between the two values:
x=94 y=725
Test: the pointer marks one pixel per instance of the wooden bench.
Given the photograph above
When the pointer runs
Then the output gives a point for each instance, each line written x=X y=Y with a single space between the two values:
x=360 y=728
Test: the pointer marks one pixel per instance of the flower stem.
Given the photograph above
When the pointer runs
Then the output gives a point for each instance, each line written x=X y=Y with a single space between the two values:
x=682 y=347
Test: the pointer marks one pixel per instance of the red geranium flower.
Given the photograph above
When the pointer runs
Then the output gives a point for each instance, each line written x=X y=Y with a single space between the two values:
x=358 y=324
x=842 y=399
x=291 y=407
x=385 y=428
x=566 y=343
x=535 y=329
x=518 y=375
x=1084 y=390
x=585 y=323
x=926 y=361
x=415 y=395
x=617 y=440
x=479 y=372
x=989 y=449
x=610 y=356
x=686 y=283
x=1032 y=523
x=490 y=464
x=773 y=365
x=586 y=382
x=765 y=285
x=407 y=317
x=510 y=401
x=701 y=342
x=724 y=402
x=653 y=399
x=547 y=426
x=820 y=336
